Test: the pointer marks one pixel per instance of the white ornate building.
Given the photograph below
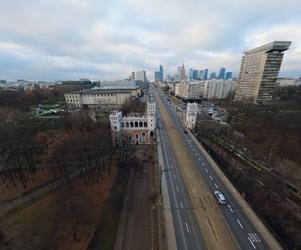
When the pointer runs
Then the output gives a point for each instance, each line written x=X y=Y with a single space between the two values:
x=191 y=115
x=134 y=128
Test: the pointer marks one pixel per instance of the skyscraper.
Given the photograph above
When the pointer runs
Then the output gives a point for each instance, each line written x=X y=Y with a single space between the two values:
x=182 y=75
x=133 y=76
x=195 y=74
x=201 y=74
x=228 y=75
x=190 y=74
x=221 y=74
x=206 y=74
x=162 y=73
x=141 y=76
x=258 y=72
x=159 y=74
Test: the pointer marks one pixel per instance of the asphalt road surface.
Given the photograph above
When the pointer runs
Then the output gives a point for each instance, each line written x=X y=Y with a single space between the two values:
x=188 y=233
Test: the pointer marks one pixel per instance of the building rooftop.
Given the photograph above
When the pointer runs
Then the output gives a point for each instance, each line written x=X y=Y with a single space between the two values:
x=279 y=46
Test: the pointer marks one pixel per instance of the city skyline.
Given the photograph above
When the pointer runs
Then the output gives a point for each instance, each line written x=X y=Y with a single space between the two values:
x=107 y=40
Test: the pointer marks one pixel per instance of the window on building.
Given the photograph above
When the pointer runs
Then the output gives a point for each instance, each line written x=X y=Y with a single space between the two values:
x=132 y=124
x=136 y=124
x=140 y=124
x=115 y=127
x=145 y=124
x=122 y=124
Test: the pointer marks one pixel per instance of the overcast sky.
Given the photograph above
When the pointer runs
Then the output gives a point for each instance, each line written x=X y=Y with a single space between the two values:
x=98 y=39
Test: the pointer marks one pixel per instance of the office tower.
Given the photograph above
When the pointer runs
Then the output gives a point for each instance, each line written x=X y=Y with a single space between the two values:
x=182 y=75
x=190 y=74
x=141 y=76
x=213 y=75
x=159 y=74
x=133 y=76
x=229 y=75
x=201 y=74
x=195 y=74
x=258 y=72
x=221 y=74
x=162 y=72
x=206 y=74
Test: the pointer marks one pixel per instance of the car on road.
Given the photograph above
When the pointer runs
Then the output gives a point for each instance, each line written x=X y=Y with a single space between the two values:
x=220 y=197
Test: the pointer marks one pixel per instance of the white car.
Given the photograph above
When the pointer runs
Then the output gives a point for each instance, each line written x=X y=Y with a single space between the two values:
x=220 y=197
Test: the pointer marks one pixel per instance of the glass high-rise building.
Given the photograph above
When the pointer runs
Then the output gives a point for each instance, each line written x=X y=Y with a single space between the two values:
x=221 y=74
x=195 y=74
x=206 y=74
x=259 y=71
x=229 y=75
x=159 y=74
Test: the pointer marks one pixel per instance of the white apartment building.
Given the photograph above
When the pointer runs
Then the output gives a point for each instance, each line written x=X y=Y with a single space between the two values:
x=284 y=82
x=189 y=90
x=218 y=88
x=101 y=97
x=134 y=128
x=259 y=71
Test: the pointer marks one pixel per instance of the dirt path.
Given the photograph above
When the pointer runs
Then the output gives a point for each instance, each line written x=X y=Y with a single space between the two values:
x=214 y=229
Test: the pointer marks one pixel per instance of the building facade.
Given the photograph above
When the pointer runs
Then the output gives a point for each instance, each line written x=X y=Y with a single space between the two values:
x=96 y=98
x=134 y=128
x=191 y=115
x=141 y=76
x=285 y=82
x=219 y=89
x=188 y=90
x=259 y=71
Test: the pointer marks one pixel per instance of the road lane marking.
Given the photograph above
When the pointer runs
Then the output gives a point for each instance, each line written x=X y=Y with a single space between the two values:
x=230 y=208
x=211 y=177
x=174 y=176
x=177 y=189
x=181 y=205
x=203 y=164
x=206 y=170
x=187 y=229
x=254 y=237
x=252 y=243
x=216 y=185
x=239 y=223
x=200 y=159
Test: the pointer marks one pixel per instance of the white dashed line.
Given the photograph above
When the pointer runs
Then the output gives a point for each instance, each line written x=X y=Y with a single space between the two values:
x=203 y=164
x=230 y=208
x=211 y=177
x=239 y=223
x=252 y=243
x=174 y=176
x=181 y=205
x=177 y=189
x=216 y=185
x=187 y=229
x=206 y=170
x=200 y=159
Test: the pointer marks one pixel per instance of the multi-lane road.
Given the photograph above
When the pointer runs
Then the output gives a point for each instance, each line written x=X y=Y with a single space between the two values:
x=188 y=231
